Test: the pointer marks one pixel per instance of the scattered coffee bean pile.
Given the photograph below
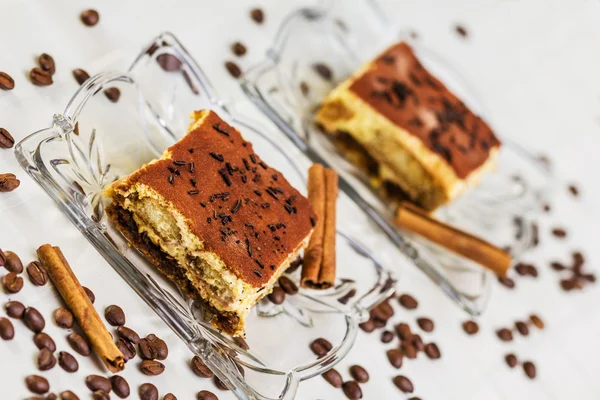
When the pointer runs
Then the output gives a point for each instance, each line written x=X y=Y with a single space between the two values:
x=521 y=327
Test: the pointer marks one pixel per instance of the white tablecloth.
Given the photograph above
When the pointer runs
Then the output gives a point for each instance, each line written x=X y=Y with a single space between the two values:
x=535 y=64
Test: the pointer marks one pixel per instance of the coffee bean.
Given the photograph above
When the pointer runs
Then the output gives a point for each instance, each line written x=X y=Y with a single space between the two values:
x=43 y=341
x=574 y=190
x=39 y=77
x=324 y=71
x=12 y=283
x=403 y=383
x=100 y=395
x=511 y=360
x=233 y=69
x=147 y=352
x=97 y=382
x=63 y=318
x=128 y=334
x=417 y=343
x=8 y=182
x=506 y=281
x=46 y=360
x=127 y=348
x=288 y=286
x=432 y=351
x=15 y=309
x=408 y=349
x=529 y=369
x=37 y=384
x=522 y=268
x=559 y=233
x=206 y=395
x=170 y=396
x=2 y=255
x=33 y=320
x=67 y=362
x=522 y=328
x=6 y=139
x=352 y=390
x=387 y=336
x=470 y=327
x=6 y=81
x=408 y=302
x=257 y=15
x=200 y=368
x=37 y=274
x=160 y=347
x=277 y=296
x=13 y=262
x=395 y=357
x=90 y=17
x=51 y=396
x=148 y=391
x=89 y=294
x=333 y=378
x=114 y=315
x=504 y=334
x=79 y=344
x=537 y=321
x=113 y=94
x=367 y=326
x=578 y=260
x=359 y=374
x=382 y=312
x=321 y=346
x=238 y=49
x=80 y=75
x=294 y=265
x=7 y=331
x=47 y=63
x=219 y=383
x=461 y=30
x=68 y=395
x=169 y=62
x=152 y=367
x=426 y=324
x=403 y=331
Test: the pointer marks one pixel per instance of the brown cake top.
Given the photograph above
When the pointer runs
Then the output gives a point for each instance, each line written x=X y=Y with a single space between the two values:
x=243 y=210
x=397 y=86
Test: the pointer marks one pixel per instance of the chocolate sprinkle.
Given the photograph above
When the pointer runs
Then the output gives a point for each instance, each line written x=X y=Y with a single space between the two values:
x=258 y=273
x=193 y=192
x=179 y=162
x=171 y=178
x=217 y=127
x=218 y=157
x=236 y=207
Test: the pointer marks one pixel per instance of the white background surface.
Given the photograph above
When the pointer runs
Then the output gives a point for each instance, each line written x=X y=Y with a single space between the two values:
x=535 y=64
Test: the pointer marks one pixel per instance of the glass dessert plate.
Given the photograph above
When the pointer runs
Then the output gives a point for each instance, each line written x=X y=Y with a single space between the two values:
x=93 y=142
x=287 y=87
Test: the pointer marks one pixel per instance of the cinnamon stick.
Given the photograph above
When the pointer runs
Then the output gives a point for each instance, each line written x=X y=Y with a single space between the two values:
x=76 y=299
x=415 y=219
x=319 y=266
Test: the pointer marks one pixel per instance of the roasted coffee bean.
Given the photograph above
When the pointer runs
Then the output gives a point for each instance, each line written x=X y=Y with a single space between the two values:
x=578 y=260
x=408 y=349
x=432 y=351
x=408 y=302
x=97 y=382
x=367 y=326
x=169 y=62
x=387 y=336
x=80 y=75
x=100 y=395
x=12 y=283
x=352 y=390
x=257 y=15
x=288 y=286
x=39 y=77
x=511 y=360
x=2 y=254
x=324 y=71
x=238 y=49
x=321 y=346
x=160 y=347
x=47 y=63
x=147 y=352
x=395 y=357
x=559 y=233
x=417 y=343
x=333 y=378
x=277 y=296
x=33 y=320
x=359 y=374
x=219 y=383
x=6 y=81
x=148 y=391
x=403 y=383
x=241 y=343
x=529 y=369
x=522 y=328
x=128 y=334
x=426 y=324
x=206 y=395
x=294 y=265
x=46 y=360
x=15 y=309
x=574 y=190
x=79 y=344
x=504 y=334
x=113 y=94
x=90 y=17
x=233 y=69
x=64 y=318
x=170 y=396
x=537 y=321
x=68 y=395
x=89 y=294
x=403 y=331
x=7 y=330
x=51 y=396
x=37 y=384
x=67 y=362
x=507 y=282
x=152 y=367
x=8 y=182
x=470 y=327
x=461 y=30
x=43 y=341
x=37 y=274
x=13 y=262
x=127 y=348
x=114 y=315
x=200 y=368
x=6 y=139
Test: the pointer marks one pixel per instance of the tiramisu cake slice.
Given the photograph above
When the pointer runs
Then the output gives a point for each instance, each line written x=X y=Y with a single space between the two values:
x=415 y=138
x=214 y=218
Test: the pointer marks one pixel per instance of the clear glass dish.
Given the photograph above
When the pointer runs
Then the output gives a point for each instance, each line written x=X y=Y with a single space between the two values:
x=95 y=141
x=286 y=87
